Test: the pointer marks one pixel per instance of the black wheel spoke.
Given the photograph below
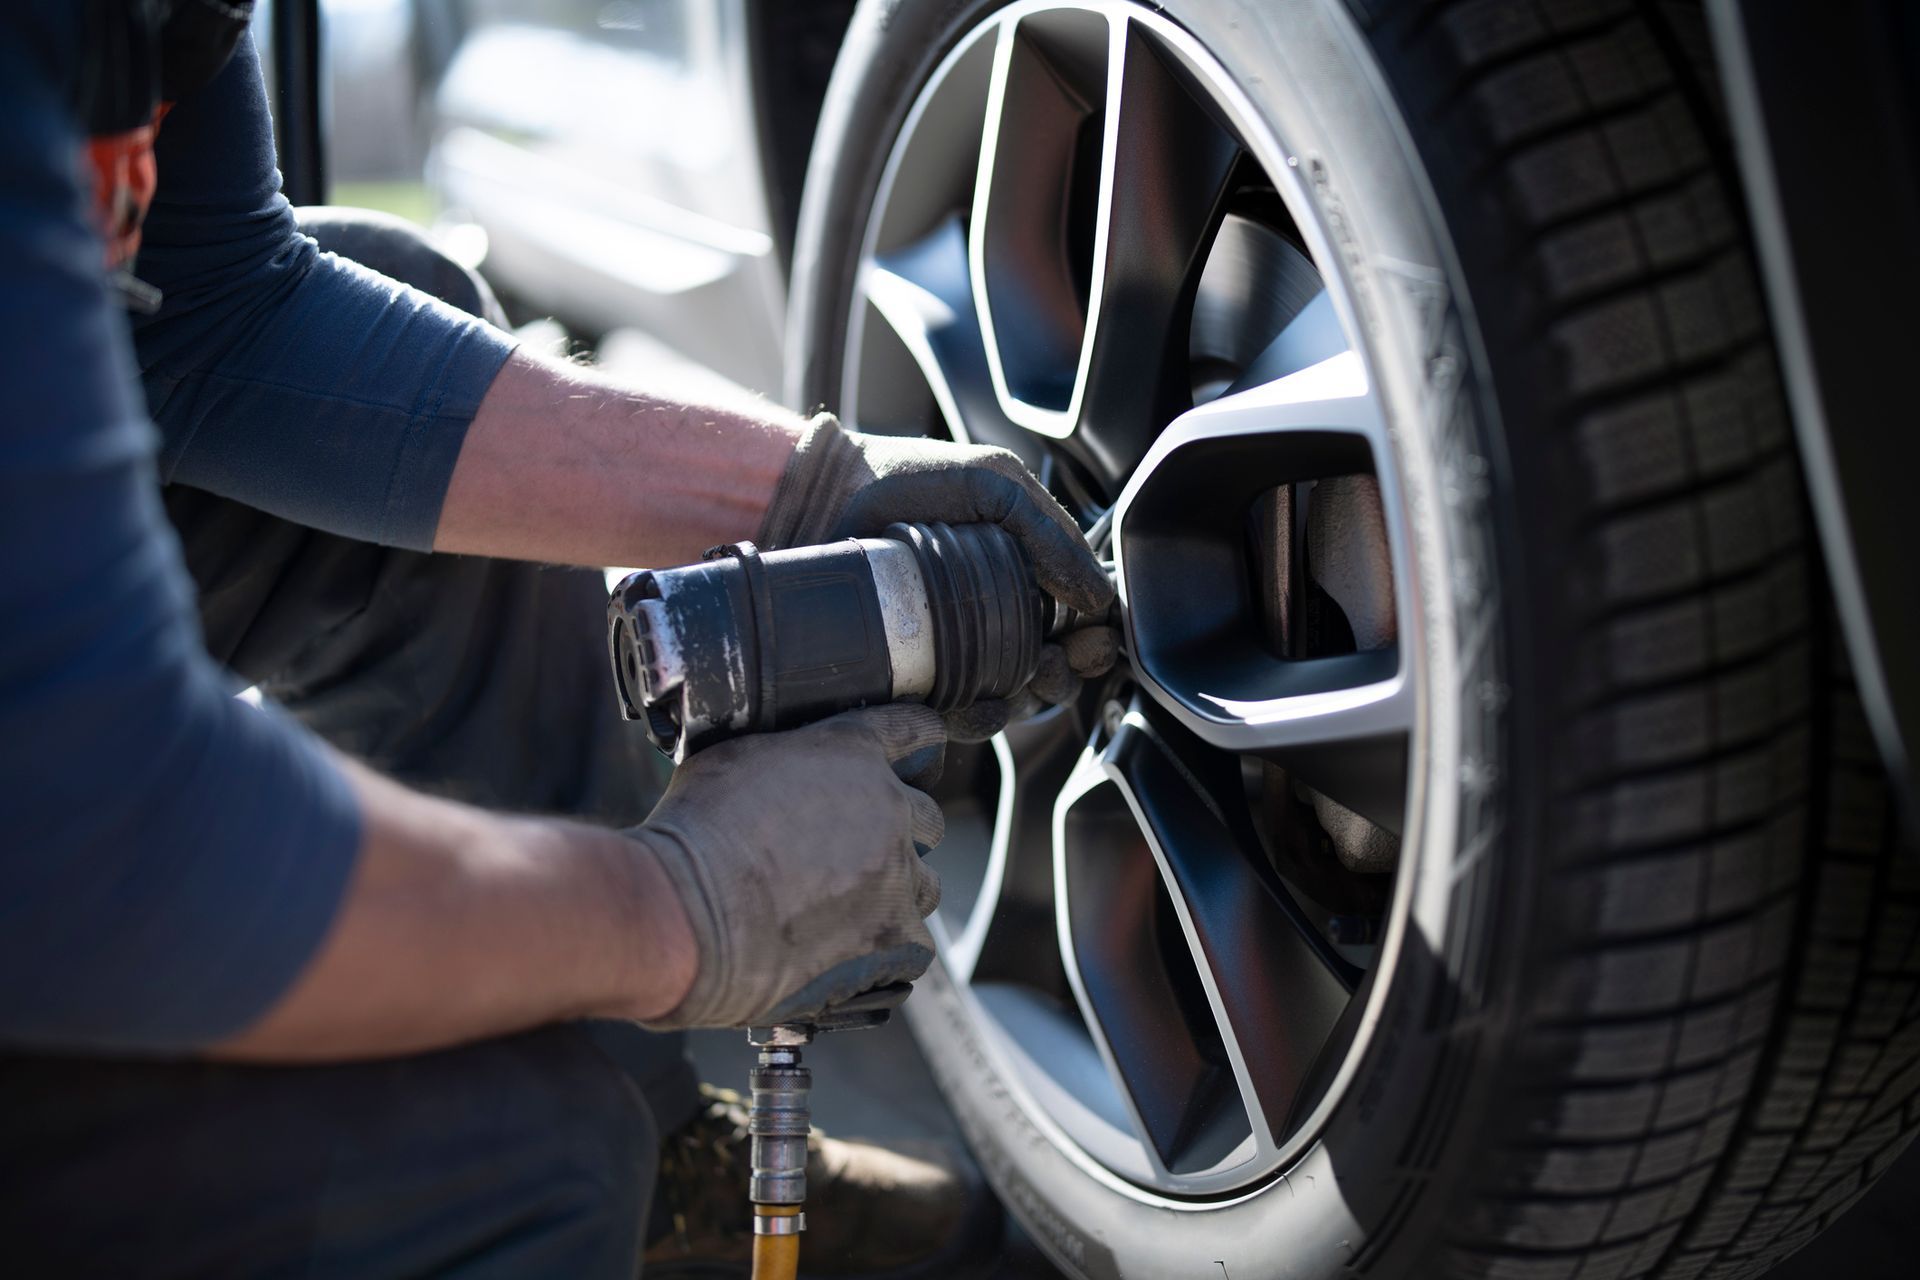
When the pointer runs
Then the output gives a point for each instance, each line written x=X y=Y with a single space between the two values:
x=1273 y=982
x=923 y=293
x=1173 y=1068
x=1138 y=989
x=1168 y=163
x=1008 y=932
x=1102 y=181
x=1030 y=236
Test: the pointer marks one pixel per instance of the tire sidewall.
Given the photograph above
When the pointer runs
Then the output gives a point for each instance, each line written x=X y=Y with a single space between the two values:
x=1364 y=1196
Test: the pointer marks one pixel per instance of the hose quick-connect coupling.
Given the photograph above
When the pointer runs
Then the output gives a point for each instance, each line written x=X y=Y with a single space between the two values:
x=747 y=642
x=777 y=1122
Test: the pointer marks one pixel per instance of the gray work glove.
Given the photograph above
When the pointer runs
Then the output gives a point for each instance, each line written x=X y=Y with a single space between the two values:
x=797 y=857
x=845 y=484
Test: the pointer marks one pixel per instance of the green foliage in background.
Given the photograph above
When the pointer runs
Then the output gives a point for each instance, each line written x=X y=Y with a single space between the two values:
x=409 y=200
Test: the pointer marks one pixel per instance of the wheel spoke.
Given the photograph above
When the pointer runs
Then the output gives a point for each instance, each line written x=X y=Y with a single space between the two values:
x=923 y=293
x=1211 y=990
x=1136 y=989
x=1101 y=181
x=1165 y=166
x=1008 y=933
x=1030 y=274
x=1274 y=985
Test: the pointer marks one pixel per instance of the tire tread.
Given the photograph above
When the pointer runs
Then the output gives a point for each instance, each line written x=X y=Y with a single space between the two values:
x=1721 y=1039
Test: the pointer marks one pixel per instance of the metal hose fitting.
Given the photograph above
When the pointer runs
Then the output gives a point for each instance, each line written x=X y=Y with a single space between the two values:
x=777 y=1122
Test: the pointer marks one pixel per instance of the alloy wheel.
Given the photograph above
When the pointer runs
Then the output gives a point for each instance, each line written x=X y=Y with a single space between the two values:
x=1167 y=902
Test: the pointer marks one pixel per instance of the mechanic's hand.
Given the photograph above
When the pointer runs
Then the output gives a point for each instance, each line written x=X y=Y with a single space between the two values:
x=845 y=484
x=797 y=857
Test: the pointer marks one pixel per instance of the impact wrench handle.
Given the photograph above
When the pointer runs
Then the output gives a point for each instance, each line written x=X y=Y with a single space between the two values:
x=747 y=642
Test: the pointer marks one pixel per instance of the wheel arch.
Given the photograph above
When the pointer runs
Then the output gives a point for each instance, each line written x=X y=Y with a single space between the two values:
x=790 y=56
x=1852 y=96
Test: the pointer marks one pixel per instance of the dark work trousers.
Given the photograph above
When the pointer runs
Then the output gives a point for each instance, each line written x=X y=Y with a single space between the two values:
x=533 y=1155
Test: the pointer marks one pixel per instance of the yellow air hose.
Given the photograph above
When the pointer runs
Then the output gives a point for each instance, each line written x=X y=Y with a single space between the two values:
x=776 y=1257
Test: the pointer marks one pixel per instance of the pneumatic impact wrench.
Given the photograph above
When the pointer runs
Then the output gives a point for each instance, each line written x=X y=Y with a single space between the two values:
x=746 y=642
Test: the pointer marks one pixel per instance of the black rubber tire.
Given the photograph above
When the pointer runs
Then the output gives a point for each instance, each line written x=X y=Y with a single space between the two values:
x=1670 y=1025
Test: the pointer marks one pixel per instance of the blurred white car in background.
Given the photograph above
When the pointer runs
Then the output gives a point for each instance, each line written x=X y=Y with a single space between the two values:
x=622 y=161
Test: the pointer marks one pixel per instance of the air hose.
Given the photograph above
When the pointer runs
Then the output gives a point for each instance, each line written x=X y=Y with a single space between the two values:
x=776 y=1257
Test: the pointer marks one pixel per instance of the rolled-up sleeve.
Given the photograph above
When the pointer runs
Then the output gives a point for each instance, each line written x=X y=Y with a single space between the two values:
x=170 y=858
x=288 y=379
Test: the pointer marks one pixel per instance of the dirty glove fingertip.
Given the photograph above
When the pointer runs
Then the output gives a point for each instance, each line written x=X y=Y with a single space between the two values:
x=1054 y=681
x=926 y=889
x=900 y=963
x=978 y=722
x=1091 y=651
x=929 y=824
x=1063 y=564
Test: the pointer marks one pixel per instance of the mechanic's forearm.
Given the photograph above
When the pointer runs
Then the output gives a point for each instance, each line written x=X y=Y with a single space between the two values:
x=566 y=465
x=460 y=924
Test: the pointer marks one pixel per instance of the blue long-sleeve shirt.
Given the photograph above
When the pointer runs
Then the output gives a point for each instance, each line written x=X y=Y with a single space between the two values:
x=170 y=858
x=295 y=381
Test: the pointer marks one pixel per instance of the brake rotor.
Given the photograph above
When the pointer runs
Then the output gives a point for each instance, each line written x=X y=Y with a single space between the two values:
x=1253 y=284
x=1347 y=558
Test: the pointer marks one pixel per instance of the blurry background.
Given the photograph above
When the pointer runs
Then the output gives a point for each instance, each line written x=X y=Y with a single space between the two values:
x=608 y=162
x=379 y=75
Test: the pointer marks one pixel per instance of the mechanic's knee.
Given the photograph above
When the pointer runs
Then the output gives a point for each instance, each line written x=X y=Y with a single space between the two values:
x=400 y=250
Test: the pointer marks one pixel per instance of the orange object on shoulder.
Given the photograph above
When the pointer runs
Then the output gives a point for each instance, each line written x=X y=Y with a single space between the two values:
x=124 y=178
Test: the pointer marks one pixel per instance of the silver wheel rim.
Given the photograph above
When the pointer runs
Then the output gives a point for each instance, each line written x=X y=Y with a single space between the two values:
x=957 y=321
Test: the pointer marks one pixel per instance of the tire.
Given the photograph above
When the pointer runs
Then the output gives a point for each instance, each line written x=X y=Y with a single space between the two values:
x=1654 y=1011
